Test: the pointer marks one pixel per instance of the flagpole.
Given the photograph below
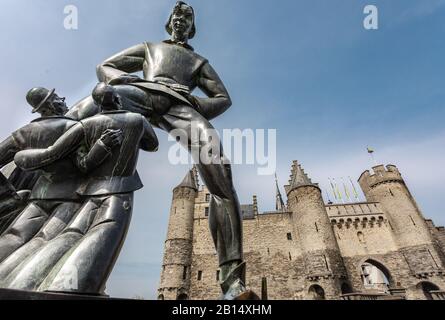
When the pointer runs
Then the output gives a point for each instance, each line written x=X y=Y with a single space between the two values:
x=371 y=154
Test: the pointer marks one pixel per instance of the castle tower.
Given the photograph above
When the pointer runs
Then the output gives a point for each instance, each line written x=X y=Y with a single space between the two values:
x=324 y=266
x=410 y=230
x=175 y=276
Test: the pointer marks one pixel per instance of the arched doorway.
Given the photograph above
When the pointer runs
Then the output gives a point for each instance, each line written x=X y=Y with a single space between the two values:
x=161 y=297
x=316 y=292
x=426 y=288
x=346 y=288
x=375 y=276
x=182 y=296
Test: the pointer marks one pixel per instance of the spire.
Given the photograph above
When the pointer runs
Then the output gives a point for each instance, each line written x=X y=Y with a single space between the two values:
x=298 y=178
x=255 y=205
x=279 y=203
x=189 y=181
x=196 y=175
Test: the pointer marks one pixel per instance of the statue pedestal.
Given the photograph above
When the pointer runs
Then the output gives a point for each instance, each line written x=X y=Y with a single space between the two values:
x=9 y=294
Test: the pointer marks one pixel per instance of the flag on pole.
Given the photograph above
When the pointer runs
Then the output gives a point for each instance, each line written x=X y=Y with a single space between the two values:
x=354 y=189
x=333 y=189
x=370 y=150
x=347 y=195
x=337 y=190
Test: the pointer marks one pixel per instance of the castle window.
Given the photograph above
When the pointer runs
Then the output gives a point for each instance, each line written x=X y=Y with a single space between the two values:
x=361 y=237
x=390 y=192
x=206 y=211
x=412 y=220
x=199 y=275
x=290 y=257
x=316 y=226
x=268 y=251
x=207 y=197
x=184 y=273
x=289 y=236
x=326 y=262
x=217 y=275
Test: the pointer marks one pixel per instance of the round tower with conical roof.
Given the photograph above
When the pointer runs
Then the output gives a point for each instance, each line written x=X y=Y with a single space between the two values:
x=325 y=270
x=175 y=275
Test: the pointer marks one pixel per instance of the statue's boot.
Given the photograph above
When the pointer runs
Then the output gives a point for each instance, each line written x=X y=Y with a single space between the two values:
x=233 y=284
x=59 y=219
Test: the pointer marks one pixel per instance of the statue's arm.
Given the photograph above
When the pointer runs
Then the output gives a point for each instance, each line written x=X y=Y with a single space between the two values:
x=8 y=149
x=34 y=159
x=218 y=100
x=125 y=62
x=149 y=141
x=88 y=159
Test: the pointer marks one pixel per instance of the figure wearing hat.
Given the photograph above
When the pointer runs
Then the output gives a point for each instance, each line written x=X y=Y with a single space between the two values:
x=50 y=199
x=91 y=242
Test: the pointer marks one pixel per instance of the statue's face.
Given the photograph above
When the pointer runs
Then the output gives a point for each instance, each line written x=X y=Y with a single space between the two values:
x=182 y=21
x=56 y=106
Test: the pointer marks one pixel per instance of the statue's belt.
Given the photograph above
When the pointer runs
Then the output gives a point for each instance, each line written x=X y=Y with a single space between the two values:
x=158 y=87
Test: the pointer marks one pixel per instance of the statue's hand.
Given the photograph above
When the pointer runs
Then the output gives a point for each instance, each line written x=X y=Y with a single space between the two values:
x=111 y=138
x=125 y=79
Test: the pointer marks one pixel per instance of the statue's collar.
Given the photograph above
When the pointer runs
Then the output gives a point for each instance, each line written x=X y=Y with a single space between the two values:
x=181 y=44
x=52 y=117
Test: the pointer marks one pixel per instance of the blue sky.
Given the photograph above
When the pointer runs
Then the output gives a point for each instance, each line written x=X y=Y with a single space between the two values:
x=307 y=68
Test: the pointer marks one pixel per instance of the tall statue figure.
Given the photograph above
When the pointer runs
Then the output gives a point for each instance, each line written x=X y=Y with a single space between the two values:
x=172 y=70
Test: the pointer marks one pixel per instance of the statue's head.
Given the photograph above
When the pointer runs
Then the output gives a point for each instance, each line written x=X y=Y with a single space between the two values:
x=181 y=23
x=46 y=102
x=106 y=97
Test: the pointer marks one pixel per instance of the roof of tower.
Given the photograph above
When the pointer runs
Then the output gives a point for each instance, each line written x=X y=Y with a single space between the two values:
x=298 y=178
x=189 y=181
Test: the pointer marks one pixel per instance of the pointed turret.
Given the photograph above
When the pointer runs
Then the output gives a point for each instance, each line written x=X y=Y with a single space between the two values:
x=298 y=178
x=189 y=181
x=323 y=262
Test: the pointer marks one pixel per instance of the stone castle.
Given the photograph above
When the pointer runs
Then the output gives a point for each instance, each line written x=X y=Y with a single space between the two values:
x=383 y=248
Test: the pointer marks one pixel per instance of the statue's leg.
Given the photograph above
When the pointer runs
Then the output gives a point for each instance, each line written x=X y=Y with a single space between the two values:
x=225 y=219
x=60 y=217
x=24 y=227
x=29 y=274
x=86 y=268
x=133 y=99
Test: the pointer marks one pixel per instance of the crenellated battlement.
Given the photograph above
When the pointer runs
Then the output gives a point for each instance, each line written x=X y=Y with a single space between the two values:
x=381 y=174
x=354 y=209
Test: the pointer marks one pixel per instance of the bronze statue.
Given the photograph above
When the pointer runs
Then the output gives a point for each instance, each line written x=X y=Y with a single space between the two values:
x=172 y=70
x=83 y=199
x=81 y=257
